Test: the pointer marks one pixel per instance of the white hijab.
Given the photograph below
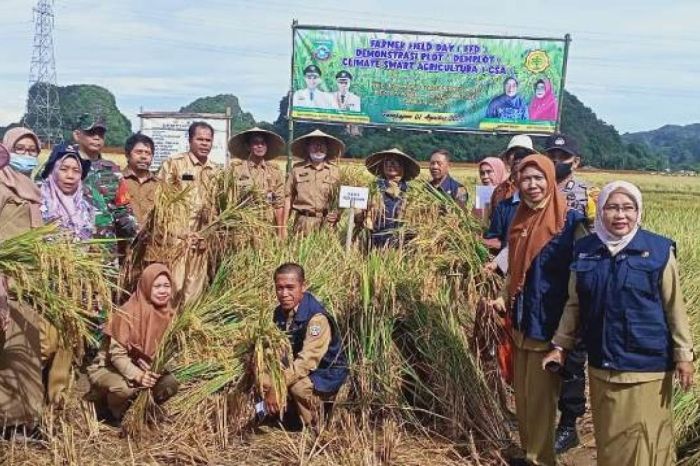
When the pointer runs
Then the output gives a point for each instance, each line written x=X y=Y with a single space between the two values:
x=616 y=243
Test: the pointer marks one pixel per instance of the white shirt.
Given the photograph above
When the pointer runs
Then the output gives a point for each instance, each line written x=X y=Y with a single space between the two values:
x=350 y=103
x=302 y=98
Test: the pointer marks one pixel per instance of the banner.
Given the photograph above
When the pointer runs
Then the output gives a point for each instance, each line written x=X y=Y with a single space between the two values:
x=407 y=79
x=169 y=131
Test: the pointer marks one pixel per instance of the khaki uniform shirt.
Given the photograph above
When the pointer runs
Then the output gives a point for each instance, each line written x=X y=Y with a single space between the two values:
x=316 y=343
x=118 y=357
x=265 y=177
x=184 y=171
x=142 y=195
x=313 y=188
x=676 y=316
x=15 y=214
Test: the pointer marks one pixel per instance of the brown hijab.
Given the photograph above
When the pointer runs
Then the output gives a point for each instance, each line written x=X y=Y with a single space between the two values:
x=534 y=225
x=13 y=135
x=140 y=326
x=21 y=186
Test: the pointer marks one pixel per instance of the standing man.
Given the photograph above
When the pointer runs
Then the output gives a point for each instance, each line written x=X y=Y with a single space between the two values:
x=317 y=367
x=194 y=171
x=580 y=196
x=343 y=99
x=519 y=147
x=441 y=179
x=104 y=185
x=313 y=184
x=254 y=151
x=140 y=181
x=312 y=96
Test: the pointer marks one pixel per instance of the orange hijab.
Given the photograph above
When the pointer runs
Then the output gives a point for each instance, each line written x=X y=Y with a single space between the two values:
x=140 y=326
x=534 y=225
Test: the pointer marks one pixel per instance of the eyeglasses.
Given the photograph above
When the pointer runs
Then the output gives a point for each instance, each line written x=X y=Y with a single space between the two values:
x=625 y=209
x=21 y=150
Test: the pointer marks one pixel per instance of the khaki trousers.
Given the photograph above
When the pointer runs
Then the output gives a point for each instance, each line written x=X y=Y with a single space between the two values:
x=536 y=395
x=309 y=403
x=190 y=275
x=632 y=421
x=304 y=224
x=57 y=359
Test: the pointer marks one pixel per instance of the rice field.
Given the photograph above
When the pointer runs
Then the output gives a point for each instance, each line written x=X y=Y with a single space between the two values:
x=419 y=393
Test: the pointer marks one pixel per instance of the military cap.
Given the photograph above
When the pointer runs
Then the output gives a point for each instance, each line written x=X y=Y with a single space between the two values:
x=312 y=69
x=343 y=75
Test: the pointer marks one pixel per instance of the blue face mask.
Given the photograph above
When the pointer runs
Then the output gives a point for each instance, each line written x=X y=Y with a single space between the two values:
x=24 y=164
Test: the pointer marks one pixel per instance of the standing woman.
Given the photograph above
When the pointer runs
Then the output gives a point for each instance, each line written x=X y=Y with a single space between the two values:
x=492 y=171
x=62 y=198
x=21 y=388
x=626 y=303
x=24 y=147
x=393 y=169
x=540 y=242
x=123 y=365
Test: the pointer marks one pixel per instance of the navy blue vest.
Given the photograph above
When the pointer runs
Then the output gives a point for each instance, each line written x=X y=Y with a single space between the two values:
x=388 y=219
x=538 y=309
x=450 y=186
x=623 y=322
x=333 y=369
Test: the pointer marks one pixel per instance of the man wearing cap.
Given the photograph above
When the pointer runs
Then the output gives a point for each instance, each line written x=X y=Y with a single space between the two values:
x=441 y=179
x=104 y=185
x=563 y=151
x=312 y=96
x=343 y=99
x=312 y=186
x=195 y=172
x=253 y=151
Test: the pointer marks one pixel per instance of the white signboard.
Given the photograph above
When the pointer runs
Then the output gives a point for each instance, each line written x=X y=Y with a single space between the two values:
x=351 y=196
x=483 y=196
x=169 y=133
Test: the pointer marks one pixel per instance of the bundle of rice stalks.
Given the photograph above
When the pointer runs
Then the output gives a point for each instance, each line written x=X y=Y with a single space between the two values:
x=65 y=281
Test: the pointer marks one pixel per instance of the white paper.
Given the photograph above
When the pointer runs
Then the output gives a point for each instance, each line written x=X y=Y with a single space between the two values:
x=502 y=260
x=352 y=196
x=483 y=196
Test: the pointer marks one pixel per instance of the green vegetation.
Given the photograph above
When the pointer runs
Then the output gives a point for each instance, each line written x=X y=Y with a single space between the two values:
x=240 y=120
x=679 y=145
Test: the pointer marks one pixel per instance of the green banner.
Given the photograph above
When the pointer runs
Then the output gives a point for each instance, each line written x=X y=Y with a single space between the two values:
x=407 y=79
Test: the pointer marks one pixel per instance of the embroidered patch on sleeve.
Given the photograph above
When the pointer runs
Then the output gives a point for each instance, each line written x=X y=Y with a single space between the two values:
x=315 y=330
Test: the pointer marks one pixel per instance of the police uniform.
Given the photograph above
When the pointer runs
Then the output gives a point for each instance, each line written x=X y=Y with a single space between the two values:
x=317 y=367
x=312 y=98
x=636 y=329
x=582 y=197
x=185 y=171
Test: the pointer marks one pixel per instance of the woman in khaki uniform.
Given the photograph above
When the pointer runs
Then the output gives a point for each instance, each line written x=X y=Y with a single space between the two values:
x=625 y=302
x=313 y=183
x=28 y=343
x=254 y=151
x=123 y=365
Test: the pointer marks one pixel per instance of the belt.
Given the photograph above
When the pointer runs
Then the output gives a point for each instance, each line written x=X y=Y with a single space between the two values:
x=312 y=213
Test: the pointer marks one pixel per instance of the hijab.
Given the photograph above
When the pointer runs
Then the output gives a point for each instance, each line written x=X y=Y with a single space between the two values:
x=613 y=242
x=498 y=167
x=15 y=134
x=21 y=186
x=139 y=326
x=72 y=211
x=545 y=107
x=534 y=225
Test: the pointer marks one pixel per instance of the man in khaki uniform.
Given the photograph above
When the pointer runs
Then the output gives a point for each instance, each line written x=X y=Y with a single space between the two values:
x=140 y=182
x=313 y=184
x=192 y=170
x=317 y=367
x=253 y=151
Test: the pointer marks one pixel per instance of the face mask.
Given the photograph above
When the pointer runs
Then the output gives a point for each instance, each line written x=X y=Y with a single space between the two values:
x=24 y=164
x=317 y=156
x=562 y=171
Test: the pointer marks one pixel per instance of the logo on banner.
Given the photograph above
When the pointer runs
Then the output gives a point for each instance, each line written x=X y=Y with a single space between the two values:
x=537 y=61
x=323 y=49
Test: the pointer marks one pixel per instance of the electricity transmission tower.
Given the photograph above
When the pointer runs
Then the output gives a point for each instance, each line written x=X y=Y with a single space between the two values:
x=43 y=108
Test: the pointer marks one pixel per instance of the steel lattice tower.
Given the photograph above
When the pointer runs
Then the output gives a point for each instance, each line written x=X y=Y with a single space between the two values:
x=43 y=108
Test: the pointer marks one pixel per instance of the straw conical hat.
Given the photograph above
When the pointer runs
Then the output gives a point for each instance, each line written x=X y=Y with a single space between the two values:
x=238 y=144
x=336 y=147
x=375 y=163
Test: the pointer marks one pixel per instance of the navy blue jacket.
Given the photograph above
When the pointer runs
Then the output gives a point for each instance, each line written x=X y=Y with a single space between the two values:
x=502 y=217
x=538 y=308
x=388 y=220
x=451 y=187
x=333 y=369
x=623 y=322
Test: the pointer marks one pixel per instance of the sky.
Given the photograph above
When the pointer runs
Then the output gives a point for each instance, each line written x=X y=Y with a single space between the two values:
x=635 y=63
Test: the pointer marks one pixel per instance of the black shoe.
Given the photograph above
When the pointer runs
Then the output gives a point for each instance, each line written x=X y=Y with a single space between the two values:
x=565 y=439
